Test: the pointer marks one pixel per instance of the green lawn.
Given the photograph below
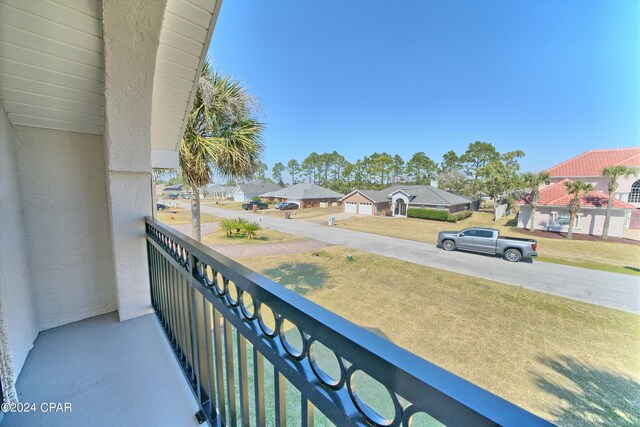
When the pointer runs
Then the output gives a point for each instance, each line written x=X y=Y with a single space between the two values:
x=570 y=362
x=597 y=255
x=173 y=216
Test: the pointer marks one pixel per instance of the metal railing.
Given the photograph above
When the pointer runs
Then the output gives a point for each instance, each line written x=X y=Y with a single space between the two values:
x=226 y=322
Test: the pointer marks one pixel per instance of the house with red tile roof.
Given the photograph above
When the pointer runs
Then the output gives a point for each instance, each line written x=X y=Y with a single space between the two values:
x=553 y=211
x=588 y=167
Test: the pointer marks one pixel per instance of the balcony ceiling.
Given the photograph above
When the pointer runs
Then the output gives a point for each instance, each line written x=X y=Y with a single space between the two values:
x=184 y=40
x=51 y=64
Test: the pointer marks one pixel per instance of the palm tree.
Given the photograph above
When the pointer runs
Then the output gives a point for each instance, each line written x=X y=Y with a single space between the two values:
x=613 y=173
x=221 y=136
x=535 y=180
x=577 y=189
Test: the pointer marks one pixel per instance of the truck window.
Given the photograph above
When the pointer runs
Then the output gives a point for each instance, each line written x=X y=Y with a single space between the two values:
x=471 y=233
x=485 y=233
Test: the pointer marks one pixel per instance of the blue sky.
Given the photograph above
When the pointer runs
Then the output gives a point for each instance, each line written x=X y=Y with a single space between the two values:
x=551 y=77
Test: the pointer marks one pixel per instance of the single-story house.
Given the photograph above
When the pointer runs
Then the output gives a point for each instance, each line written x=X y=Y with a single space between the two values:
x=245 y=192
x=306 y=195
x=395 y=200
x=218 y=191
x=552 y=213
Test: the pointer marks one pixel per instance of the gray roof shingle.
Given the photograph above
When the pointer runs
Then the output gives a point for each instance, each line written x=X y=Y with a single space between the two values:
x=258 y=186
x=418 y=194
x=304 y=191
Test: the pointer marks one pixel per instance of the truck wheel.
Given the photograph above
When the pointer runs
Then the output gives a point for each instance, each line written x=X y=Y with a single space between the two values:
x=448 y=245
x=512 y=255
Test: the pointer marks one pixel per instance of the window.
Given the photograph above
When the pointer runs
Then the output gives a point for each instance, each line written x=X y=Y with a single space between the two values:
x=563 y=219
x=634 y=196
x=471 y=233
x=485 y=233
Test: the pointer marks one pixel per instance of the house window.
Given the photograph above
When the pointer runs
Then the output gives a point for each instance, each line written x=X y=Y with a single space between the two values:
x=562 y=219
x=634 y=195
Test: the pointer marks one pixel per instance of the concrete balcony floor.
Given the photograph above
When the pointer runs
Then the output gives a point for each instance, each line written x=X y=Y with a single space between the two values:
x=112 y=373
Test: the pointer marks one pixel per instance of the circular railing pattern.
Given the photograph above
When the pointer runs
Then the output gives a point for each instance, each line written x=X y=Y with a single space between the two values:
x=272 y=325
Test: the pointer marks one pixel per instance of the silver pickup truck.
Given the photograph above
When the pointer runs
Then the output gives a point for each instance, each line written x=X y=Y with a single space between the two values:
x=488 y=241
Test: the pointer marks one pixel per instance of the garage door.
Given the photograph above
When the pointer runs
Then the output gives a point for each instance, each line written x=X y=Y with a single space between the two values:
x=350 y=207
x=366 y=209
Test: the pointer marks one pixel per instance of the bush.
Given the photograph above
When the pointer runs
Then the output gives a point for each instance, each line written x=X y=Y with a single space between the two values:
x=434 y=214
x=455 y=217
x=255 y=199
x=239 y=227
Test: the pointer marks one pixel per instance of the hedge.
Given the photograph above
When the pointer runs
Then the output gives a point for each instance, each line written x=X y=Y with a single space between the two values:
x=455 y=217
x=435 y=214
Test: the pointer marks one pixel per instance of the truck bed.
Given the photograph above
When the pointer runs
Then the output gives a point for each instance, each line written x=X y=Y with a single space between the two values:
x=516 y=238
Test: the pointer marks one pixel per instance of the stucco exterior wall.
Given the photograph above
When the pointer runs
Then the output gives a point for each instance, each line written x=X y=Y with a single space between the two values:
x=602 y=184
x=131 y=34
x=18 y=320
x=62 y=182
x=592 y=221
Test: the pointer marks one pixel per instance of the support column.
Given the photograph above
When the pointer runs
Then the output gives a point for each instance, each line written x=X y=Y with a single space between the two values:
x=131 y=32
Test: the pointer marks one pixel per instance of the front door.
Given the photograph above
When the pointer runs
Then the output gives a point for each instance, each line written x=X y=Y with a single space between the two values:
x=401 y=208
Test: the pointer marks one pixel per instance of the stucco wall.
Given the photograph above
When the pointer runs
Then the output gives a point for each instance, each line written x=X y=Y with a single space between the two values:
x=18 y=322
x=592 y=221
x=131 y=34
x=62 y=181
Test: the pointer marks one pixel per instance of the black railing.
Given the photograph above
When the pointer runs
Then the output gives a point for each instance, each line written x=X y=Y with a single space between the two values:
x=226 y=321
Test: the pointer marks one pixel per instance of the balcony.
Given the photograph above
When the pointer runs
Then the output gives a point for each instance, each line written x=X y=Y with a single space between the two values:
x=109 y=372
x=252 y=353
x=255 y=353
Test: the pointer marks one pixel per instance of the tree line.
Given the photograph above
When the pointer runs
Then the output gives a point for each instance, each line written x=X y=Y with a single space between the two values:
x=481 y=168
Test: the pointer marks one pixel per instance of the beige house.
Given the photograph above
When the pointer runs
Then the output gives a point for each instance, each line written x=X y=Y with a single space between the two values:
x=588 y=167
x=553 y=212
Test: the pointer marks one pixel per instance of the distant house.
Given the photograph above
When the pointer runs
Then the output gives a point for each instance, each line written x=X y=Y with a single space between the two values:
x=396 y=200
x=553 y=211
x=305 y=195
x=218 y=191
x=245 y=192
x=588 y=167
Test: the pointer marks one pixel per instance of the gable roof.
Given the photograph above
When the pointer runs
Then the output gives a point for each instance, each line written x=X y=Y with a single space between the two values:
x=418 y=194
x=219 y=188
x=257 y=186
x=592 y=162
x=304 y=191
x=556 y=195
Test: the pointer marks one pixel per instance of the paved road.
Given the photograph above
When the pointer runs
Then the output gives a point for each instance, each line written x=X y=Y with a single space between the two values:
x=619 y=291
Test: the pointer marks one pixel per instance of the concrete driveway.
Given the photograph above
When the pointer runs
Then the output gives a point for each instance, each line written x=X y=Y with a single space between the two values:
x=619 y=291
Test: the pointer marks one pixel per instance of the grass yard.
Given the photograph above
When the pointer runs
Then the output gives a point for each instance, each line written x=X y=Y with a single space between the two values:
x=307 y=213
x=173 y=216
x=265 y=235
x=226 y=204
x=570 y=362
x=598 y=255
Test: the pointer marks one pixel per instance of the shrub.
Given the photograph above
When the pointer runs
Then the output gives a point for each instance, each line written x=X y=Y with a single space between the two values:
x=434 y=214
x=458 y=216
x=239 y=227
x=250 y=228
x=255 y=199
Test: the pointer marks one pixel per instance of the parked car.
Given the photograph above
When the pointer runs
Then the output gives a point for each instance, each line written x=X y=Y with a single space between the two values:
x=287 y=206
x=258 y=205
x=277 y=205
x=488 y=241
x=160 y=206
